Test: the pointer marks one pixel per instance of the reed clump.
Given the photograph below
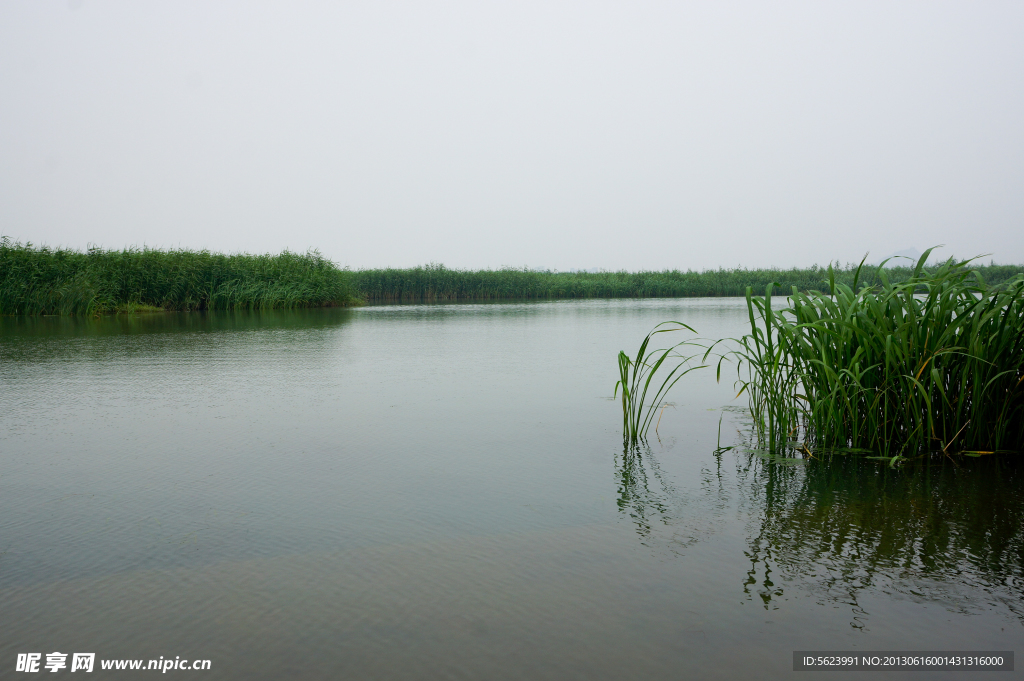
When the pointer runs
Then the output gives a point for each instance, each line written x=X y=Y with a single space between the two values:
x=932 y=363
x=58 y=281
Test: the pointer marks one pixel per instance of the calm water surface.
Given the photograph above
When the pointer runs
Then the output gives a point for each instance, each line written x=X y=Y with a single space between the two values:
x=440 y=492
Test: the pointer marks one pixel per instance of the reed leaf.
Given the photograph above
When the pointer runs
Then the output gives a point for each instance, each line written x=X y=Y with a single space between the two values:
x=636 y=379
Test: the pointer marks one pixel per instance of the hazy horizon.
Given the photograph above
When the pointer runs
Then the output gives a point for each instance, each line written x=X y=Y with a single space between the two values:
x=562 y=135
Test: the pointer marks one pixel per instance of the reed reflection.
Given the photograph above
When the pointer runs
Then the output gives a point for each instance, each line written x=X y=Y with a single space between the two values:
x=663 y=515
x=844 y=529
x=635 y=496
x=946 y=530
x=52 y=326
x=35 y=339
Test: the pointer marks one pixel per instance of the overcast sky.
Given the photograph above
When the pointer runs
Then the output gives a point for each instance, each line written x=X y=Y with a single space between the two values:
x=615 y=135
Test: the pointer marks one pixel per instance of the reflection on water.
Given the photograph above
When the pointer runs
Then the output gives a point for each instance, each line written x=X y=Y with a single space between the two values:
x=51 y=327
x=939 y=530
x=925 y=531
x=47 y=339
x=664 y=515
x=635 y=496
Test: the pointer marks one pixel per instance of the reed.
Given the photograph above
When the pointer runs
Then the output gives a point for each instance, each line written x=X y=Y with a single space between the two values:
x=57 y=281
x=933 y=363
x=436 y=283
x=636 y=376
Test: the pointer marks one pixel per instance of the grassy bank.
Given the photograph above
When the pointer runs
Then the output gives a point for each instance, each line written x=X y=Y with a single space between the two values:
x=438 y=283
x=41 y=280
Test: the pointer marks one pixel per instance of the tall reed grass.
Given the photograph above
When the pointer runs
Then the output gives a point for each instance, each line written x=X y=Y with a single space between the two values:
x=933 y=363
x=41 y=280
x=435 y=283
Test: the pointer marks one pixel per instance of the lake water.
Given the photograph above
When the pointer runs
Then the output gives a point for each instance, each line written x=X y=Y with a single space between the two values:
x=441 y=492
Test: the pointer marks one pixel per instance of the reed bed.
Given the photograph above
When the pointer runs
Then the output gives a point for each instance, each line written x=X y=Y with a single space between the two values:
x=933 y=363
x=436 y=283
x=57 y=281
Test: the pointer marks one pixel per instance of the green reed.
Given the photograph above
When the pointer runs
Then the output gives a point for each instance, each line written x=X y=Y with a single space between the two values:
x=435 y=283
x=932 y=363
x=41 y=280
x=636 y=376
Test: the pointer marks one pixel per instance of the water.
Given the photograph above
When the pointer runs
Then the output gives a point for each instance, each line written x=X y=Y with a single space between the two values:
x=441 y=492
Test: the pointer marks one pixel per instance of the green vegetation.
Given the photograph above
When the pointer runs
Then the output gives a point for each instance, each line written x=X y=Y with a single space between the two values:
x=436 y=283
x=635 y=376
x=933 y=363
x=41 y=280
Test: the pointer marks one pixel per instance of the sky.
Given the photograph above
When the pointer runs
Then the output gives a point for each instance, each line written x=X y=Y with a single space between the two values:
x=482 y=134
